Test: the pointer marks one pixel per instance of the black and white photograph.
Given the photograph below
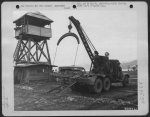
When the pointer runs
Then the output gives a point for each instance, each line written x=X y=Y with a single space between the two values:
x=74 y=58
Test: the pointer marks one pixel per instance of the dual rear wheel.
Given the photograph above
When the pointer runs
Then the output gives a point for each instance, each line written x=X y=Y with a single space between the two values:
x=100 y=85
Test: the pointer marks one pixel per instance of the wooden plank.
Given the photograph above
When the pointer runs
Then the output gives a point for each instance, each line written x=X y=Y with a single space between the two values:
x=33 y=30
x=39 y=31
x=46 y=32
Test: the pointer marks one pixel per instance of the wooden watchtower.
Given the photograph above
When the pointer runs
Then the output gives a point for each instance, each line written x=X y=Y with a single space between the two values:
x=32 y=35
x=31 y=55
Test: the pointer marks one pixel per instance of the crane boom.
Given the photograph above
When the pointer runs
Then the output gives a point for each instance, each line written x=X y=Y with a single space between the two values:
x=84 y=38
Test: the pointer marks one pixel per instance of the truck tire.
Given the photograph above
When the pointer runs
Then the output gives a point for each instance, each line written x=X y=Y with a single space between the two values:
x=106 y=84
x=98 y=86
x=125 y=82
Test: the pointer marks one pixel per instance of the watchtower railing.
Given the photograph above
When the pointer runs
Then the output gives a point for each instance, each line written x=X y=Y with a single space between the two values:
x=33 y=30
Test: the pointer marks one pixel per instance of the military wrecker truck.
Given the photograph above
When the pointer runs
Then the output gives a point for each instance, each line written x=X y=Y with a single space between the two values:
x=103 y=71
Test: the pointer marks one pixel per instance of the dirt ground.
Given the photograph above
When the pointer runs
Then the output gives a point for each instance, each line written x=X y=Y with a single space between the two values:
x=35 y=96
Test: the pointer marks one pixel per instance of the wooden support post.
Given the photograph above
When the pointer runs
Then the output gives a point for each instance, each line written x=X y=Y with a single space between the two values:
x=36 y=52
x=48 y=52
x=29 y=50
x=50 y=31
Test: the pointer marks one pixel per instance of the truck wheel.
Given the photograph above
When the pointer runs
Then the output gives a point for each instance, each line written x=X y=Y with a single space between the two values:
x=125 y=82
x=98 y=86
x=107 y=84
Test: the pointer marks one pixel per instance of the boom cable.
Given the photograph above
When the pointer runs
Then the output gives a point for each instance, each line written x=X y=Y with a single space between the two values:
x=76 y=54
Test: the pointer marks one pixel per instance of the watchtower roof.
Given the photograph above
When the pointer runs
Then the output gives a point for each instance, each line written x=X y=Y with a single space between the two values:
x=37 y=15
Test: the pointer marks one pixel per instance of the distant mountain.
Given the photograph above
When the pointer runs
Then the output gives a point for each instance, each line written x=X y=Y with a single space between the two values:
x=125 y=65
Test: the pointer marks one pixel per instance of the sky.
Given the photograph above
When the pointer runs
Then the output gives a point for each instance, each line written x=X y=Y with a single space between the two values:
x=109 y=30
